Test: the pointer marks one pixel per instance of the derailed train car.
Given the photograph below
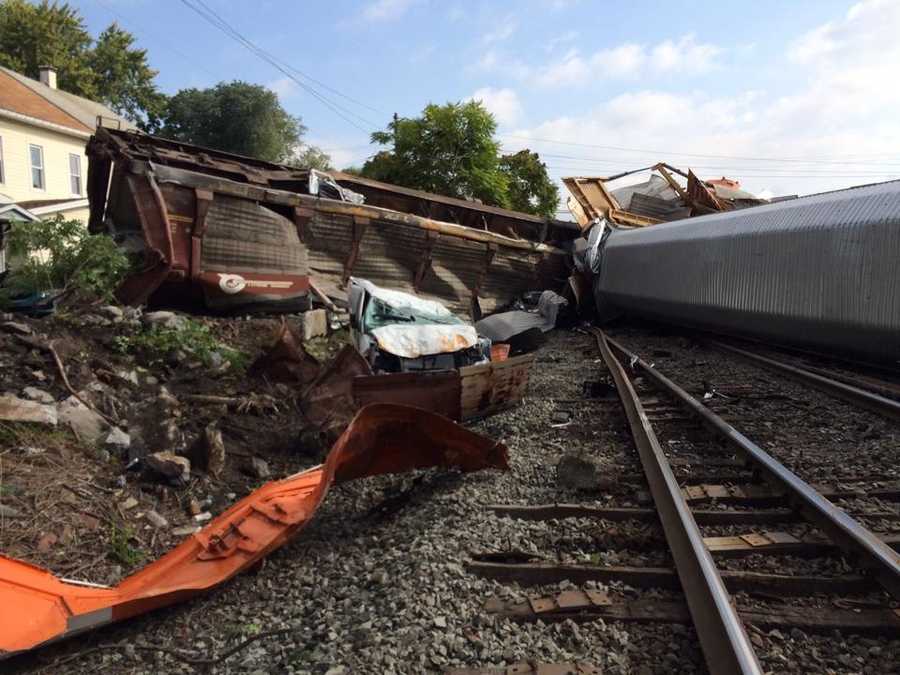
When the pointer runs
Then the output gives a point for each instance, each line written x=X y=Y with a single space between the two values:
x=821 y=271
x=235 y=233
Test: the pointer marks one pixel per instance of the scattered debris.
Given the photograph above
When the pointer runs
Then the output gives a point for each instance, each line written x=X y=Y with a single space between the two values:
x=244 y=534
x=208 y=452
x=258 y=468
x=517 y=327
x=315 y=324
x=155 y=519
x=38 y=395
x=286 y=360
x=117 y=441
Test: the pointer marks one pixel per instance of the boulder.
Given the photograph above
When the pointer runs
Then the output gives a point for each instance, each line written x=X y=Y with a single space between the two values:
x=208 y=452
x=258 y=468
x=39 y=395
x=155 y=519
x=170 y=465
x=163 y=319
x=315 y=324
x=111 y=312
x=117 y=440
x=15 y=409
x=88 y=426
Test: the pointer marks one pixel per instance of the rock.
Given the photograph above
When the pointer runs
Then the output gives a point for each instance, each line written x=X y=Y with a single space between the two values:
x=129 y=503
x=46 y=542
x=194 y=507
x=128 y=376
x=39 y=375
x=15 y=409
x=164 y=320
x=155 y=519
x=315 y=324
x=185 y=530
x=38 y=395
x=111 y=312
x=88 y=426
x=208 y=452
x=117 y=440
x=258 y=468
x=440 y=621
x=94 y=320
x=17 y=328
x=578 y=472
x=170 y=465
x=203 y=517
x=9 y=512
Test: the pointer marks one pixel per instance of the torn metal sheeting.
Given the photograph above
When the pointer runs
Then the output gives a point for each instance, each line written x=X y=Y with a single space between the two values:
x=37 y=607
x=239 y=234
x=286 y=360
x=327 y=403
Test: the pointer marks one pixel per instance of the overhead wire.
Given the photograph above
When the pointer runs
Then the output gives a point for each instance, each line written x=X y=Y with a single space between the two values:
x=209 y=15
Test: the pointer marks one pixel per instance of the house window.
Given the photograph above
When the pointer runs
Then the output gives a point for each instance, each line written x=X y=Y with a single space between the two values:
x=2 y=177
x=75 y=173
x=37 y=166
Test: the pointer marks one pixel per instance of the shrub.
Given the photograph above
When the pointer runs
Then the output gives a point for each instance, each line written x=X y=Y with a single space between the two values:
x=60 y=255
x=192 y=337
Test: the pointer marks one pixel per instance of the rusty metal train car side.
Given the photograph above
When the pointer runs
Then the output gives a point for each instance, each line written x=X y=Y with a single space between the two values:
x=233 y=232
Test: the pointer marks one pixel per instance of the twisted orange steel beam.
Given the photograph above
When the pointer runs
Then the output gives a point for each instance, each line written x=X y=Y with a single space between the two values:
x=36 y=607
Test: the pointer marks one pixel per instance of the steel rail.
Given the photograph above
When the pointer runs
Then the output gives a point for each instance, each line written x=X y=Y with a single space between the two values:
x=855 y=395
x=726 y=646
x=851 y=536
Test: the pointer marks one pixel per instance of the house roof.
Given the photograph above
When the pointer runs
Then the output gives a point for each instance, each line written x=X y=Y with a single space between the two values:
x=25 y=96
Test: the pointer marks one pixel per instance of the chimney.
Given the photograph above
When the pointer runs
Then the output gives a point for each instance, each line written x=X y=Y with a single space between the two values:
x=48 y=76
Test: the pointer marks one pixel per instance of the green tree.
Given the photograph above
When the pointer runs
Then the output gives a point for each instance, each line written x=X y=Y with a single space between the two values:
x=530 y=187
x=449 y=150
x=242 y=118
x=112 y=71
x=124 y=80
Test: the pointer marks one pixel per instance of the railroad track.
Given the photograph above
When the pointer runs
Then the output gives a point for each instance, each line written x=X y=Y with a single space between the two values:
x=722 y=536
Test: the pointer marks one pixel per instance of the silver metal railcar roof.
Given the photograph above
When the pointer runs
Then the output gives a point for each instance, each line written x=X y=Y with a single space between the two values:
x=822 y=271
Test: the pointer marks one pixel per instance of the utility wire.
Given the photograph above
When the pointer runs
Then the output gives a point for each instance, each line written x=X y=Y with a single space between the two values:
x=682 y=154
x=211 y=17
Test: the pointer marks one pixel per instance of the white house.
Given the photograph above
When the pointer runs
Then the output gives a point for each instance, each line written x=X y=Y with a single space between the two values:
x=43 y=133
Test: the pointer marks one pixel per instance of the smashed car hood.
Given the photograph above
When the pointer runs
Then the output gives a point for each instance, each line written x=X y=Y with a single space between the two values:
x=411 y=342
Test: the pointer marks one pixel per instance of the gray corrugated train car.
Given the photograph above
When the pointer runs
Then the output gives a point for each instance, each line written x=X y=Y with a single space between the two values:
x=822 y=271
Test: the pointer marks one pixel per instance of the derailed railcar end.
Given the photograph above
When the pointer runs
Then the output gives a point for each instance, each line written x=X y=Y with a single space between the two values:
x=820 y=272
x=236 y=233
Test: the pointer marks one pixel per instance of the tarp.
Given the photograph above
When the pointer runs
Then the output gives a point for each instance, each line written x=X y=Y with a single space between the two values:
x=501 y=327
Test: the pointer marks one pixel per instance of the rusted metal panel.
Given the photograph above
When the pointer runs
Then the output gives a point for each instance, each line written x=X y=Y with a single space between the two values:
x=37 y=607
x=491 y=387
x=327 y=403
x=435 y=391
x=702 y=196
x=261 y=235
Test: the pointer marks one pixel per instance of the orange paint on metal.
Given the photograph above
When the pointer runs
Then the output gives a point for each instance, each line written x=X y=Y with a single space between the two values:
x=36 y=607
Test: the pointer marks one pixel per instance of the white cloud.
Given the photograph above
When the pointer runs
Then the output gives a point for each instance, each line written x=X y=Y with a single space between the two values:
x=561 y=39
x=685 y=55
x=503 y=103
x=384 y=10
x=284 y=87
x=629 y=60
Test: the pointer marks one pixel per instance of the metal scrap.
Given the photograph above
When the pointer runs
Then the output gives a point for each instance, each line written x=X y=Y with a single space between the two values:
x=37 y=607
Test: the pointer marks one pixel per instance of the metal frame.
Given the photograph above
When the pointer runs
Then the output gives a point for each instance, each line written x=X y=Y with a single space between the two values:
x=847 y=533
x=726 y=646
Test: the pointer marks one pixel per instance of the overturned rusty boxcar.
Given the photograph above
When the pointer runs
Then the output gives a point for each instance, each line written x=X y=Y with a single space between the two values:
x=234 y=233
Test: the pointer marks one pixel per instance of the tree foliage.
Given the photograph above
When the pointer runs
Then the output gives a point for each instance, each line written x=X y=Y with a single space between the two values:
x=451 y=150
x=530 y=188
x=111 y=70
x=242 y=118
x=60 y=255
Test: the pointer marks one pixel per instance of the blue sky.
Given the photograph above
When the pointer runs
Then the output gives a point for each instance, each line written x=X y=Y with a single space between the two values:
x=789 y=97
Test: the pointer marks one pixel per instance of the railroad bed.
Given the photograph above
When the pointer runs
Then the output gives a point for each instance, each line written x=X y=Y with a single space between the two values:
x=441 y=572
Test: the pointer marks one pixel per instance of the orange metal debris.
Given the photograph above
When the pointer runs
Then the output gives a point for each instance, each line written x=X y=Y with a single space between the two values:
x=37 y=607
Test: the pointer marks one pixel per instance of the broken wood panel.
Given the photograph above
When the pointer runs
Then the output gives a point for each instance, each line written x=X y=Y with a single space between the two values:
x=490 y=387
x=437 y=392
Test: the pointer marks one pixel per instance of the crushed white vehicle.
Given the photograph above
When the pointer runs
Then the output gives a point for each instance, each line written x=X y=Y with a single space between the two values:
x=399 y=332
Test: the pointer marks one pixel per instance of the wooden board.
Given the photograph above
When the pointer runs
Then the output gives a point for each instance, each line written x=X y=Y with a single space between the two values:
x=491 y=387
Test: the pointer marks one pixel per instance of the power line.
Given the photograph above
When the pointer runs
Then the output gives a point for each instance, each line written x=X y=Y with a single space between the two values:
x=617 y=163
x=682 y=154
x=217 y=21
